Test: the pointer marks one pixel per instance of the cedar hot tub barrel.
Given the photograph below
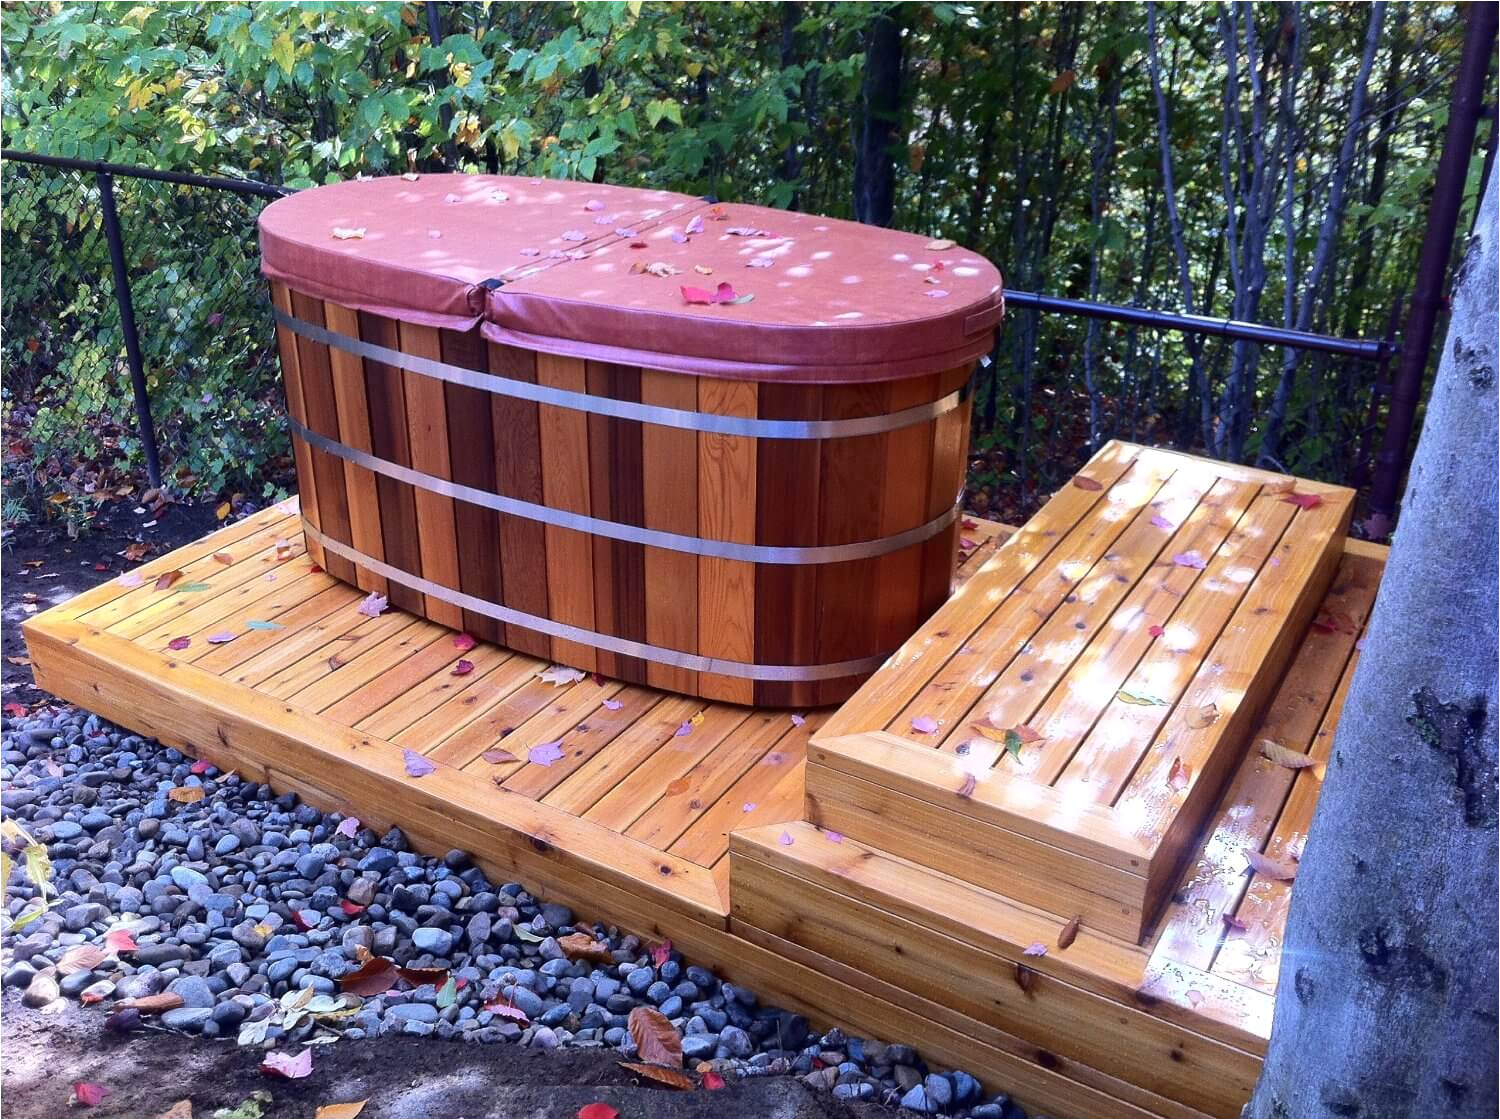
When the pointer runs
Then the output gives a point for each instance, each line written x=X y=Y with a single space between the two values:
x=712 y=448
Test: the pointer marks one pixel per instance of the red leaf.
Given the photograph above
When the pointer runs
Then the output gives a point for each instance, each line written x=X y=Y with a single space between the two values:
x=661 y=953
x=1155 y=631
x=712 y=1080
x=351 y=908
x=120 y=941
x=167 y=579
x=1303 y=501
x=506 y=1011
x=463 y=642
x=88 y=1094
x=1084 y=482
x=17 y=710
x=463 y=668
x=597 y=1111
x=202 y=766
x=696 y=295
x=301 y=922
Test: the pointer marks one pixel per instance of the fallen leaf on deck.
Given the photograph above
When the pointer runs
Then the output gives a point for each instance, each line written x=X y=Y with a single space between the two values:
x=463 y=642
x=179 y=643
x=262 y=624
x=1194 y=996
x=335 y=662
x=288 y=1065
x=88 y=1094
x=1190 y=559
x=966 y=789
x=1303 y=501
x=1143 y=699
x=1233 y=922
x=1269 y=866
x=582 y=947
x=656 y=1039
x=185 y=795
x=798 y=720
x=167 y=579
x=924 y=725
x=1161 y=522
x=1023 y=977
x=1283 y=756
x=221 y=637
x=545 y=754
x=833 y=837
x=1035 y=949
x=130 y=579
x=223 y=558
x=463 y=668
x=1155 y=631
x=677 y=786
x=284 y=550
x=1205 y=716
x=560 y=675
x=416 y=765
x=1084 y=482
x=372 y=605
x=785 y=840
x=597 y=1111
x=346 y=1111
x=193 y=587
x=497 y=756
x=1179 y=775
x=748 y=807
x=613 y=705
x=1069 y=933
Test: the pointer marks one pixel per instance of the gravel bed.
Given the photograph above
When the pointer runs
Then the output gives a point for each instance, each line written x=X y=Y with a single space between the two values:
x=249 y=908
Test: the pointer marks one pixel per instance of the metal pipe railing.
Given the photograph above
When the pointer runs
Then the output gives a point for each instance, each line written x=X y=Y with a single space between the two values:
x=241 y=186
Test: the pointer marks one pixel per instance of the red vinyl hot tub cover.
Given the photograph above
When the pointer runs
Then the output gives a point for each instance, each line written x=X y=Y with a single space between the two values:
x=639 y=277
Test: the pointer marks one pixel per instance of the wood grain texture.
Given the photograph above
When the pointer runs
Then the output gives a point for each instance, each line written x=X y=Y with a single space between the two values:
x=565 y=485
x=385 y=390
x=315 y=376
x=353 y=409
x=727 y=497
x=471 y=439
x=669 y=466
x=617 y=487
x=518 y=474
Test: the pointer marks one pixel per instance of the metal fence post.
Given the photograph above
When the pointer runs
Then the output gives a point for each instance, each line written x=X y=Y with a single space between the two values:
x=127 y=326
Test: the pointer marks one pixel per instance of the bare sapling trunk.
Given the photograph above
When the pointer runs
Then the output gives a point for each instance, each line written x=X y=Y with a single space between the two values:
x=1387 y=999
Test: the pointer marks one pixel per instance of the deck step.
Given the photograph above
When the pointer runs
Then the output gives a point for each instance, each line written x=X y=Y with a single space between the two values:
x=1061 y=728
x=971 y=953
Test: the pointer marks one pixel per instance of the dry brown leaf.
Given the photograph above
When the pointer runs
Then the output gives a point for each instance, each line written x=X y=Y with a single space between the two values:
x=582 y=947
x=656 y=1039
x=1206 y=716
x=496 y=756
x=182 y=1110
x=185 y=795
x=1023 y=977
x=677 y=785
x=223 y=558
x=1283 y=756
x=167 y=579
x=662 y=1075
x=376 y=975
x=346 y=1111
x=1269 y=866
x=152 y=1005
x=1084 y=482
x=80 y=958
x=1069 y=933
x=940 y=244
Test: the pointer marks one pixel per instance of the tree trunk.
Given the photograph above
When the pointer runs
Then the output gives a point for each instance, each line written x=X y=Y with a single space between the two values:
x=1388 y=985
x=874 y=163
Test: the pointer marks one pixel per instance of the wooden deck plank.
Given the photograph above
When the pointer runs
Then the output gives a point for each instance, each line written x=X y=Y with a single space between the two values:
x=770 y=791
x=421 y=698
x=536 y=713
x=583 y=788
x=588 y=739
x=470 y=702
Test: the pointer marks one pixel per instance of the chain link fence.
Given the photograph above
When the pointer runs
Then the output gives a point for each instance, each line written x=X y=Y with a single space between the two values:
x=202 y=318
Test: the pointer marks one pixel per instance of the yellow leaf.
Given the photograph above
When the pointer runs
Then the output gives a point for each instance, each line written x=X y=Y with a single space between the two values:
x=694 y=69
x=345 y=1111
x=283 y=51
x=223 y=510
x=635 y=7
x=38 y=866
x=7 y=865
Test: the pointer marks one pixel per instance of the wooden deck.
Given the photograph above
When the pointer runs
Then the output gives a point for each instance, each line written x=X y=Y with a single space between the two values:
x=629 y=818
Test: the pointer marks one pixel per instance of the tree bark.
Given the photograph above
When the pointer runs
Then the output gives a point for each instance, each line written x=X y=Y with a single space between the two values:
x=1387 y=1001
x=874 y=163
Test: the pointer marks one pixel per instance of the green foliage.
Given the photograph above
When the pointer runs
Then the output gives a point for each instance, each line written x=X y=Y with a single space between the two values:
x=1006 y=112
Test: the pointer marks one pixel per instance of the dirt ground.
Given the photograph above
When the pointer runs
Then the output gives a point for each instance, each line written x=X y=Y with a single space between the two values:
x=45 y=1053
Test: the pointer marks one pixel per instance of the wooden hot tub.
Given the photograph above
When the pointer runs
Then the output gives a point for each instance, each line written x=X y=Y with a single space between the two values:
x=509 y=417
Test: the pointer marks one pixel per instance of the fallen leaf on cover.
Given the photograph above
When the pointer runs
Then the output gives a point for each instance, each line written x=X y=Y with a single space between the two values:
x=1190 y=560
x=695 y=224
x=747 y=231
x=88 y=1094
x=545 y=754
x=221 y=637
x=185 y=795
x=573 y=235
x=345 y=233
x=626 y=231
x=530 y=252
x=416 y=765
x=597 y=1111
x=1084 y=482
x=560 y=675
x=1069 y=933
x=1179 y=776
x=723 y=294
x=593 y=205
x=1144 y=699
x=1283 y=756
x=656 y=1039
x=924 y=725
x=346 y=1111
x=286 y=1065
x=936 y=293
x=463 y=668
x=179 y=643
x=940 y=244
x=463 y=643
x=759 y=262
x=582 y=947
x=167 y=579
x=1205 y=716
x=372 y=605
x=1303 y=501
x=1035 y=949
x=703 y=270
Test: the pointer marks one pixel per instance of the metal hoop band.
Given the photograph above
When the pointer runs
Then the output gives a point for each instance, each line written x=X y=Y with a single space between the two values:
x=615 y=530
x=624 y=646
x=714 y=423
